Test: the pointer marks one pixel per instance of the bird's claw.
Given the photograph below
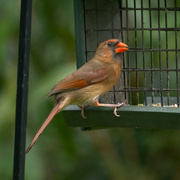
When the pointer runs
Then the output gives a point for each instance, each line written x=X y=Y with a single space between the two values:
x=115 y=112
x=82 y=114
x=121 y=104
x=82 y=111
x=117 y=106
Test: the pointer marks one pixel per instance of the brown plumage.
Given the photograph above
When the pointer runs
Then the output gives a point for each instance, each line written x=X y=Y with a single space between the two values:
x=84 y=86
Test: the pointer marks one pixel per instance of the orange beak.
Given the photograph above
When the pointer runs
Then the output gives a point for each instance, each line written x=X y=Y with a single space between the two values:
x=121 y=47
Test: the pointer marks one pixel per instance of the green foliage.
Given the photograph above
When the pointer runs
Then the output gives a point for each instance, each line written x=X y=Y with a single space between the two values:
x=63 y=152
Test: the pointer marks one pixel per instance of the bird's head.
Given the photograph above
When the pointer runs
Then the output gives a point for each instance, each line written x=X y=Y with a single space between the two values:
x=111 y=48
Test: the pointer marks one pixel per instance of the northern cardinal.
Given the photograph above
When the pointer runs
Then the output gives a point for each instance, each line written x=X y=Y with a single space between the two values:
x=84 y=86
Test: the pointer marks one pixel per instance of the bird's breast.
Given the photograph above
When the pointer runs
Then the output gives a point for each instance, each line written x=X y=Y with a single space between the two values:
x=87 y=95
x=113 y=72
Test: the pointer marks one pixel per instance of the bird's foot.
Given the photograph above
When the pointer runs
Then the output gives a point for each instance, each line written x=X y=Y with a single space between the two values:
x=117 y=106
x=115 y=112
x=82 y=111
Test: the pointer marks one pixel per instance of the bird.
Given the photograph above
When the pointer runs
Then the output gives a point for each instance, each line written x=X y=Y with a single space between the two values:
x=84 y=86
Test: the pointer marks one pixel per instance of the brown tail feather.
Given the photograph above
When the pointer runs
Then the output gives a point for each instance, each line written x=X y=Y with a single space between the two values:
x=55 y=110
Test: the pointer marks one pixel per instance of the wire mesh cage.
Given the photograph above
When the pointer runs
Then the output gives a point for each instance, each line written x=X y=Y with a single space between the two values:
x=151 y=29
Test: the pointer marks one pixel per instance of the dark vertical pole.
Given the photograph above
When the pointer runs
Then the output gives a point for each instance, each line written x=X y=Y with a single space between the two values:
x=22 y=89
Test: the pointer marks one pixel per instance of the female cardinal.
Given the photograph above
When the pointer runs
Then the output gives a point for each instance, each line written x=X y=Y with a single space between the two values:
x=84 y=86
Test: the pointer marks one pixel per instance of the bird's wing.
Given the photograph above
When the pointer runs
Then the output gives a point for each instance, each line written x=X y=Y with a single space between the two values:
x=79 y=80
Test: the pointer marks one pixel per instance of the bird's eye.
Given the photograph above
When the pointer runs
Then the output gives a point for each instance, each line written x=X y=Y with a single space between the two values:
x=109 y=43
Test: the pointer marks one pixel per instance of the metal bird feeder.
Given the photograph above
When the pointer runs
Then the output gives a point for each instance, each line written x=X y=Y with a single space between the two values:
x=150 y=75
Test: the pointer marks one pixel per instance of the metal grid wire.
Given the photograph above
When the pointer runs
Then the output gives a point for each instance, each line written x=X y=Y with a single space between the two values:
x=151 y=29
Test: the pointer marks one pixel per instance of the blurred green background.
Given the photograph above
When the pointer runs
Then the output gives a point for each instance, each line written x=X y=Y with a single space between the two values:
x=63 y=152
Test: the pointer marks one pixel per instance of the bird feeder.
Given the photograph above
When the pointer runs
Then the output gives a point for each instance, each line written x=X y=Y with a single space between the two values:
x=149 y=81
